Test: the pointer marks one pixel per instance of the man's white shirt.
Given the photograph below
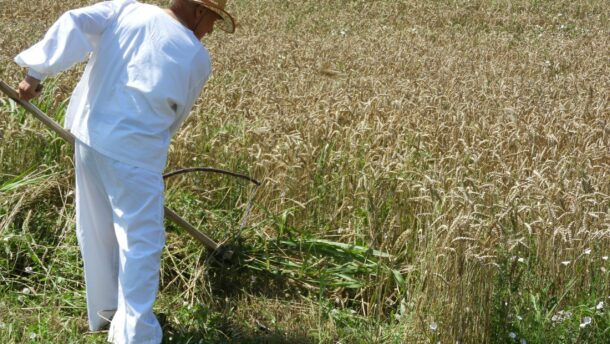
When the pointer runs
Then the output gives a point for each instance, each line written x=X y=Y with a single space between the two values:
x=145 y=72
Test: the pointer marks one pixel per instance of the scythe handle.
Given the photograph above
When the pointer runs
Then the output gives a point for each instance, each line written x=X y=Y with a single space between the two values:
x=63 y=133
x=66 y=135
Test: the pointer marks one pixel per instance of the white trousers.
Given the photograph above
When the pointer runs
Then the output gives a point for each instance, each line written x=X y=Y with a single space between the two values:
x=119 y=225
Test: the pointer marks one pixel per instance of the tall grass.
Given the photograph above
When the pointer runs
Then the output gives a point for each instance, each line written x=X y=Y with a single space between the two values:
x=433 y=171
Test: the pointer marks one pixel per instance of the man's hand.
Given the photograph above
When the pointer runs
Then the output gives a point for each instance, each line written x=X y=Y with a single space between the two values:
x=29 y=88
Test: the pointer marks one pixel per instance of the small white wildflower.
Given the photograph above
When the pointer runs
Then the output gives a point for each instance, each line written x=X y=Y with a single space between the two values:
x=29 y=269
x=603 y=269
x=433 y=326
x=600 y=305
x=519 y=317
x=565 y=263
x=561 y=316
x=587 y=251
x=512 y=335
x=523 y=341
x=32 y=336
x=521 y=260
x=586 y=321
x=605 y=258
x=26 y=290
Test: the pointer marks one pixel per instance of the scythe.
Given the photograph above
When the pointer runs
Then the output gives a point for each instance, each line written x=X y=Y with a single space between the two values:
x=220 y=251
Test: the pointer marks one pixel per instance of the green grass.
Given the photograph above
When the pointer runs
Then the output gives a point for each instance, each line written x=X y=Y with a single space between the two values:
x=43 y=298
x=43 y=292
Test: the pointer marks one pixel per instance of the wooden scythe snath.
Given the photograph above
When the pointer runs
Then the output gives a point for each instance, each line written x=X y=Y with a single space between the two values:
x=169 y=214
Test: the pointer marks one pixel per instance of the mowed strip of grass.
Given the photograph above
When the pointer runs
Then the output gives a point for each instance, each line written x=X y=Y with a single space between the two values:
x=433 y=171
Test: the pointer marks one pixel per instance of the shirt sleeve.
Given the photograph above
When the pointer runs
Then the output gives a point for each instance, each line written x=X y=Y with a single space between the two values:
x=201 y=74
x=69 y=40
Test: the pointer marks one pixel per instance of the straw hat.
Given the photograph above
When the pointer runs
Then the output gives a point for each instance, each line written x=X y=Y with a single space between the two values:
x=218 y=7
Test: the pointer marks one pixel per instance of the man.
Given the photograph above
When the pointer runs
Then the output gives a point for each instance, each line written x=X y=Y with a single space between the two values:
x=146 y=68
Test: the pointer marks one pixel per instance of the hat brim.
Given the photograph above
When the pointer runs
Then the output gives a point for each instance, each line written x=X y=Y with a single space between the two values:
x=227 y=24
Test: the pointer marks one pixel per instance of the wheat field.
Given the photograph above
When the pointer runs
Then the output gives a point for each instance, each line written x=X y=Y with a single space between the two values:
x=433 y=171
